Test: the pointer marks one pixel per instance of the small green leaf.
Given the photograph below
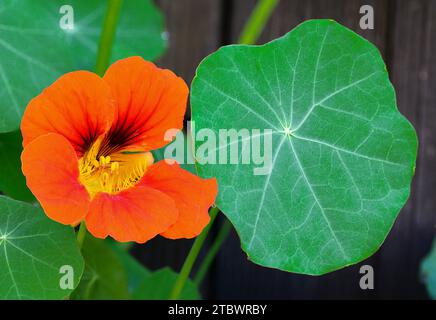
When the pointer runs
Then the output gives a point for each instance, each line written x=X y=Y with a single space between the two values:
x=342 y=156
x=145 y=284
x=136 y=272
x=158 y=285
x=12 y=181
x=428 y=271
x=33 y=250
x=104 y=277
x=35 y=50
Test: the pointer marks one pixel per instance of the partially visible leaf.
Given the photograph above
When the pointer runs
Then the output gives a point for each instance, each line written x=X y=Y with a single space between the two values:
x=342 y=156
x=33 y=249
x=33 y=53
x=12 y=181
x=35 y=50
x=140 y=31
x=136 y=272
x=428 y=271
x=104 y=277
x=158 y=286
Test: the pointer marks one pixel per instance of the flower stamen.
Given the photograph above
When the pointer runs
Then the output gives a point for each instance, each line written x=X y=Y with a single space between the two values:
x=112 y=173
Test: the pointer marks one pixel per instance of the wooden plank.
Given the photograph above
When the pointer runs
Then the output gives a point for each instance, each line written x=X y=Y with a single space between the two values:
x=194 y=31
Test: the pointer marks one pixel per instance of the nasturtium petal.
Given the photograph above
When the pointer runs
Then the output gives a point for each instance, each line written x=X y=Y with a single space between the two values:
x=150 y=101
x=51 y=168
x=35 y=50
x=35 y=254
x=342 y=155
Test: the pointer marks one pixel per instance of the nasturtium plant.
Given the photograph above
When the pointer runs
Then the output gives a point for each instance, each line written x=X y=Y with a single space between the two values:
x=333 y=167
x=342 y=154
x=39 y=41
x=95 y=164
x=39 y=258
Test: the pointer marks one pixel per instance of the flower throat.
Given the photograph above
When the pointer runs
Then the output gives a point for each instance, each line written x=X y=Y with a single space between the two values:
x=105 y=168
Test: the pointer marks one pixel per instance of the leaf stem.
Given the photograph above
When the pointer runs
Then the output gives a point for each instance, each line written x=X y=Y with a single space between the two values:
x=212 y=252
x=107 y=36
x=192 y=256
x=257 y=21
x=251 y=31
x=81 y=234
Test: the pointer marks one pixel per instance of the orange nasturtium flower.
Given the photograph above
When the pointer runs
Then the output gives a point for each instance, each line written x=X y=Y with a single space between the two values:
x=87 y=143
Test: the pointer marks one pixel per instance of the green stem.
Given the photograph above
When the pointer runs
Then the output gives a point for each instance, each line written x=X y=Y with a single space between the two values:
x=250 y=33
x=212 y=252
x=192 y=256
x=257 y=21
x=107 y=36
x=252 y=29
x=81 y=234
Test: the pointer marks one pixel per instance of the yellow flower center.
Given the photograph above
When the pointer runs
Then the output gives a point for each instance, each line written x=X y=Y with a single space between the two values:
x=111 y=173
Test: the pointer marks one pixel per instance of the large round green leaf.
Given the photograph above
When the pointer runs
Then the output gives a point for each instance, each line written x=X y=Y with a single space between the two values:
x=342 y=155
x=35 y=254
x=35 y=50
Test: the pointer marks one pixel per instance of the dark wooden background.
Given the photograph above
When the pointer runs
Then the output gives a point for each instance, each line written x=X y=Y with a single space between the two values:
x=405 y=33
